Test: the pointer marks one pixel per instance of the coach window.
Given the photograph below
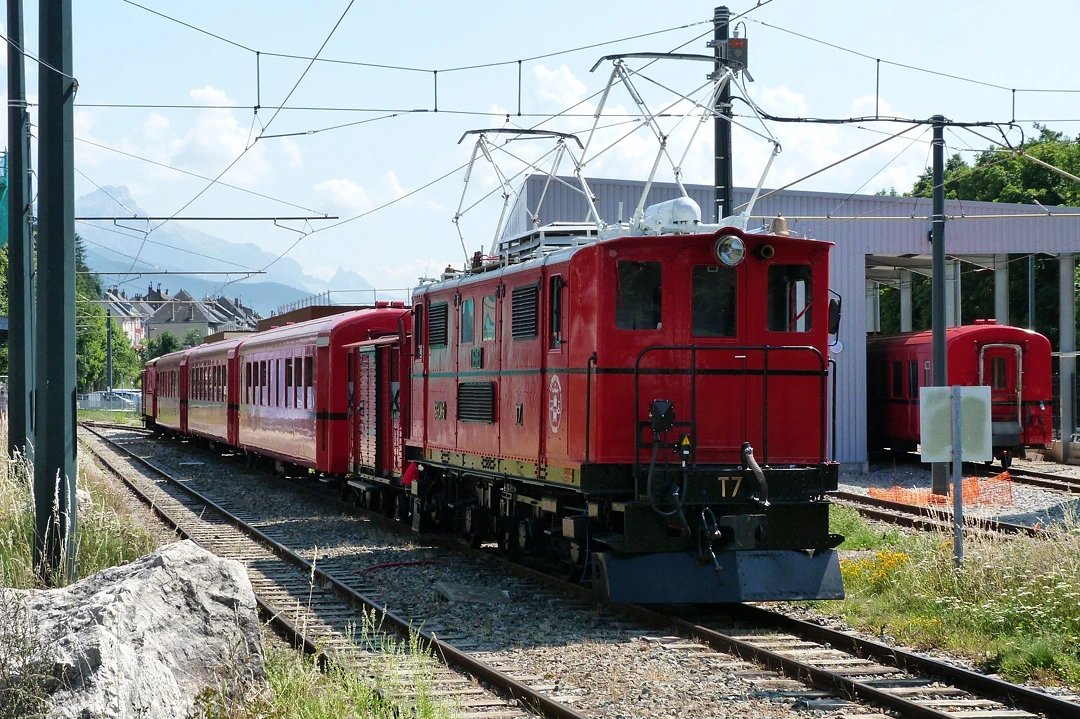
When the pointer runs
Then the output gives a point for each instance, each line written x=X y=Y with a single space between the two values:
x=264 y=390
x=288 y=382
x=468 y=321
x=309 y=381
x=897 y=380
x=712 y=309
x=789 y=298
x=555 y=312
x=637 y=295
x=913 y=378
x=489 y=319
x=247 y=383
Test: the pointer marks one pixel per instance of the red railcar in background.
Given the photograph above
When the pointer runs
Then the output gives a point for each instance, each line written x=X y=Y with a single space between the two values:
x=1013 y=362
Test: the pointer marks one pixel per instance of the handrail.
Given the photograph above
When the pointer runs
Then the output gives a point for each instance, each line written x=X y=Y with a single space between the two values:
x=766 y=351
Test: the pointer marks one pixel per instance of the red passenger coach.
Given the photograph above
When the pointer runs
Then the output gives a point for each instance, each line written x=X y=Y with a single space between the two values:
x=1013 y=362
x=213 y=391
x=294 y=387
x=170 y=391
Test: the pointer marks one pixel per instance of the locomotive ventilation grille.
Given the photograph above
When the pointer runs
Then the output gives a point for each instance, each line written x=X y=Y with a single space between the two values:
x=525 y=302
x=476 y=401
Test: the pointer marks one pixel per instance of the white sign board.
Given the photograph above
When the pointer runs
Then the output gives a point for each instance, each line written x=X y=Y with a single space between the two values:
x=935 y=424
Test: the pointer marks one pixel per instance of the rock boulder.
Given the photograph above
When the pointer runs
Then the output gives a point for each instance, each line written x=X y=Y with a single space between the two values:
x=141 y=640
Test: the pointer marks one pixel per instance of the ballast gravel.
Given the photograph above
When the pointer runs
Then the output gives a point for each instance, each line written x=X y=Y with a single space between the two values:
x=587 y=658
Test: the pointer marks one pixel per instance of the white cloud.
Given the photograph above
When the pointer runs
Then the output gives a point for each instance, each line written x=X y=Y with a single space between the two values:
x=344 y=197
x=558 y=86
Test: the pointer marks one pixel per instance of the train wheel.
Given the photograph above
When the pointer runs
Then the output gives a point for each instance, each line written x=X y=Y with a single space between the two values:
x=475 y=528
x=508 y=540
x=574 y=565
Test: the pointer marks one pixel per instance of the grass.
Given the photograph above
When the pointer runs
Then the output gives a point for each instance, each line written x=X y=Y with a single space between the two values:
x=298 y=689
x=107 y=535
x=132 y=417
x=1013 y=607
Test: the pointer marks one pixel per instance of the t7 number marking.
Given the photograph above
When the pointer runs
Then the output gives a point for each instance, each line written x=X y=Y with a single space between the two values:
x=732 y=483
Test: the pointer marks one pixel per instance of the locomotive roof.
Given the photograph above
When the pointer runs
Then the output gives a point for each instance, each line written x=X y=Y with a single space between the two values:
x=566 y=253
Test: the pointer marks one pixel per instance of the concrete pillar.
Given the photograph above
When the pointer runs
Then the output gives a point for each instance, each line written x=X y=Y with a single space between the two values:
x=1067 y=348
x=873 y=306
x=1001 y=289
x=905 y=300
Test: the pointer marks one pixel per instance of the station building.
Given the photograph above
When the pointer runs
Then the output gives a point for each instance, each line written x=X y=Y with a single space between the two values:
x=879 y=241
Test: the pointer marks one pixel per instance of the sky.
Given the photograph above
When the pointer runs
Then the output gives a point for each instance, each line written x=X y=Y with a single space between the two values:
x=168 y=92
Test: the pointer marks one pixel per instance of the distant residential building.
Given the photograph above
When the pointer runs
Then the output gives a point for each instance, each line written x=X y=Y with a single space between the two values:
x=129 y=314
x=180 y=313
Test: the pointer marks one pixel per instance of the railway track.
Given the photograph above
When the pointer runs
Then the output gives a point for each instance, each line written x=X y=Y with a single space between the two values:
x=1062 y=483
x=780 y=656
x=925 y=517
x=317 y=610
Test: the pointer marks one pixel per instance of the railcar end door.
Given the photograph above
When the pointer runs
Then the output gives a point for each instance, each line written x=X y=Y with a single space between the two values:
x=1001 y=369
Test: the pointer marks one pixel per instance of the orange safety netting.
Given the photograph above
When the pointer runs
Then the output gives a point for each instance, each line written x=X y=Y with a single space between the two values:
x=996 y=490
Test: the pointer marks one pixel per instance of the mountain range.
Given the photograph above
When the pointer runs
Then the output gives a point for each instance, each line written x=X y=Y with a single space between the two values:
x=177 y=254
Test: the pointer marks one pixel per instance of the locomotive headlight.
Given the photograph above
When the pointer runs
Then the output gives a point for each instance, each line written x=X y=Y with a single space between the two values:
x=730 y=250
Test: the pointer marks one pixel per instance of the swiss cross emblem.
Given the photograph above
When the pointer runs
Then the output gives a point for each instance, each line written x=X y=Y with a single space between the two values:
x=554 y=403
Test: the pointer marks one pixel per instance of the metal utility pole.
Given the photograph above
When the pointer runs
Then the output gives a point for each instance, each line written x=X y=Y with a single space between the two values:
x=20 y=247
x=108 y=350
x=722 y=126
x=940 y=476
x=1031 y=291
x=54 y=431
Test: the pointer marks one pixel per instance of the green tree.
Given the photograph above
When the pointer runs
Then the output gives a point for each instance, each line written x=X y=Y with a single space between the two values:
x=1004 y=176
x=163 y=344
x=193 y=337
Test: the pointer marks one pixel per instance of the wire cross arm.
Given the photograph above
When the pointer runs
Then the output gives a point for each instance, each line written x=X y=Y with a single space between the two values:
x=272 y=218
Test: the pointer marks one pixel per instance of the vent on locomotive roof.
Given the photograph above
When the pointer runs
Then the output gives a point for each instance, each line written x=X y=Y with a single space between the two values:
x=525 y=303
x=437 y=324
x=476 y=401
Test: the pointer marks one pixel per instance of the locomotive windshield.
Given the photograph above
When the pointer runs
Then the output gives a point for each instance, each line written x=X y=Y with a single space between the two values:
x=713 y=307
x=789 y=298
x=637 y=295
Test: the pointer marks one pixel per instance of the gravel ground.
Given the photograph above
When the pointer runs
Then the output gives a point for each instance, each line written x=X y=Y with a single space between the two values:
x=596 y=663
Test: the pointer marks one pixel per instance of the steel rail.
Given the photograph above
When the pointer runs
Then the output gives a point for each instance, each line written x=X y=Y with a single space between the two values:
x=910 y=515
x=449 y=654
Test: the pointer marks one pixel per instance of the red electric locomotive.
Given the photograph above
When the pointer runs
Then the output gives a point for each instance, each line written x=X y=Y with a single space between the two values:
x=651 y=409
x=1013 y=362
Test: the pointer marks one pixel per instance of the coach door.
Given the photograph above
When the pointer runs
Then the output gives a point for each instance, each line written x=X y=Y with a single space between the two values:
x=364 y=411
x=1001 y=369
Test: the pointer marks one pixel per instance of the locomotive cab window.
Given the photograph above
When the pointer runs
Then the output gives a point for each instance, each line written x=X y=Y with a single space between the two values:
x=789 y=298
x=555 y=312
x=637 y=295
x=713 y=302
x=467 y=321
x=489 y=319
